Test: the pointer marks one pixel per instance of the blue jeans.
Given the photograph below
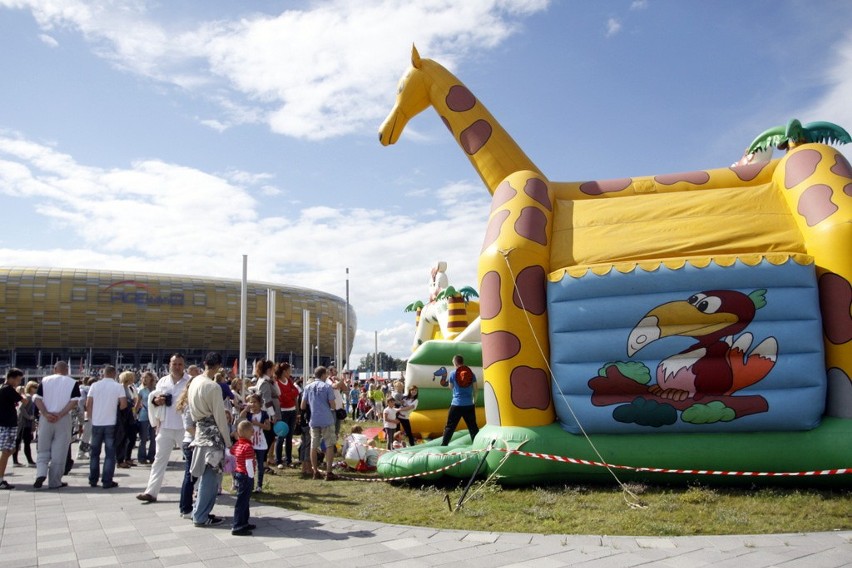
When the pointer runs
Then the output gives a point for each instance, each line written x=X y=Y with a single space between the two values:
x=147 y=442
x=102 y=436
x=188 y=484
x=286 y=443
x=241 y=507
x=208 y=487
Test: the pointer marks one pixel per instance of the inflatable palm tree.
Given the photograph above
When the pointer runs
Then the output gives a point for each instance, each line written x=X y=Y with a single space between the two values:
x=787 y=137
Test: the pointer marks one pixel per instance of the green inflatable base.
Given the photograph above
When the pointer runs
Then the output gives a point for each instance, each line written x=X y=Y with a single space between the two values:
x=828 y=447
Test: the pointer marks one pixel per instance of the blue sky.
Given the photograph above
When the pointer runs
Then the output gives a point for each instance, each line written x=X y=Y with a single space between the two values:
x=175 y=136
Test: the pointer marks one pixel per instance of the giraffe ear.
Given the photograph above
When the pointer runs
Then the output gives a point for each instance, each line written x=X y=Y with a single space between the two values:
x=415 y=57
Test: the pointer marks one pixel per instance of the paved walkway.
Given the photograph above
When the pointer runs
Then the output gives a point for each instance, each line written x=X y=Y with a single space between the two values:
x=81 y=526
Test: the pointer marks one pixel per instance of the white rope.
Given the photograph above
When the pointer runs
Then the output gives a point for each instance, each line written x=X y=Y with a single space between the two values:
x=635 y=503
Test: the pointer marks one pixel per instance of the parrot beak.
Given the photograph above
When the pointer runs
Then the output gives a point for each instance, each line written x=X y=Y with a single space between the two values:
x=645 y=332
x=676 y=318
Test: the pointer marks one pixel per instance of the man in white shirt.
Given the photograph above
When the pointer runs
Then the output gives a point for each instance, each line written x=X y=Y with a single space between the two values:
x=212 y=439
x=170 y=428
x=56 y=397
x=102 y=403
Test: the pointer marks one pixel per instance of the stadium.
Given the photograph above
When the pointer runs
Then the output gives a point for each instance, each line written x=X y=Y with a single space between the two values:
x=137 y=319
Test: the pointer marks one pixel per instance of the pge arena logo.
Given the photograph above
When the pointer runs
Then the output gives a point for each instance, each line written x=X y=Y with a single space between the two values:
x=140 y=294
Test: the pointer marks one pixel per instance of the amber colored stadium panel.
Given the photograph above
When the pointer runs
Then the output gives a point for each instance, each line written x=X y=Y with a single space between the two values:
x=47 y=308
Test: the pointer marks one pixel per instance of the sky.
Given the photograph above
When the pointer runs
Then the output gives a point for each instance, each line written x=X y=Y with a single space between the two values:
x=174 y=136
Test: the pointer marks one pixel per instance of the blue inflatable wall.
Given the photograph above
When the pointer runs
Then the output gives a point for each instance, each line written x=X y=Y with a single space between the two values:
x=610 y=372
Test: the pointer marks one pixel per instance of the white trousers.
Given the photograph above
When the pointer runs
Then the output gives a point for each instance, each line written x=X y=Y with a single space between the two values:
x=167 y=438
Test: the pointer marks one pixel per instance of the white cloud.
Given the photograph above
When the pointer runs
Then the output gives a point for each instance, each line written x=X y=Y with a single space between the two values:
x=270 y=190
x=314 y=73
x=639 y=4
x=834 y=105
x=173 y=219
x=48 y=40
x=613 y=26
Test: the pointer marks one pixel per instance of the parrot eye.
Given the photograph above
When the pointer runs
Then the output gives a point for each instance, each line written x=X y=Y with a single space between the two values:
x=709 y=305
x=695 y=298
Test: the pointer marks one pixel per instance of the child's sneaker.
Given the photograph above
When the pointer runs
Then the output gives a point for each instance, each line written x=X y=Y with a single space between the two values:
x=4 y=485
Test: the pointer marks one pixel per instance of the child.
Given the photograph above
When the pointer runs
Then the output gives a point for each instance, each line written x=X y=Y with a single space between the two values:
x=389 y=420
x=9 y=399
x=398 y=440
x=259 y=420
x=357 y=450
x=363 y=407
x=243 y=477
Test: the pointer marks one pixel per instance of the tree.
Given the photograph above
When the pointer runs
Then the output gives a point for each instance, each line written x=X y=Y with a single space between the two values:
x=386 y=362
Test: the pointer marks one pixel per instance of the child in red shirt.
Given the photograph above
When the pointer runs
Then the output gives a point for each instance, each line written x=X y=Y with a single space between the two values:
x=243 y=478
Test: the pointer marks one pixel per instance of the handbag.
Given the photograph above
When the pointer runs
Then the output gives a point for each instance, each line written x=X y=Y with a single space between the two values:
x=229 y=465
x=340 y=413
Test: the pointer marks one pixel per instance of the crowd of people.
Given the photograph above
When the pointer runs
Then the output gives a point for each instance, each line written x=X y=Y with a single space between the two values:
x=203 y=411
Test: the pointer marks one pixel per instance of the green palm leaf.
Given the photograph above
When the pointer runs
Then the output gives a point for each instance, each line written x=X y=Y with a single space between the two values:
x=769 y=138
x=826 y=133
x=468 y=292
x=446 y=293
x=793 y=132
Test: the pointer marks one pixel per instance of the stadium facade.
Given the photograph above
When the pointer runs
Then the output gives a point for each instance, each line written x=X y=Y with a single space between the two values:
x=137 y=319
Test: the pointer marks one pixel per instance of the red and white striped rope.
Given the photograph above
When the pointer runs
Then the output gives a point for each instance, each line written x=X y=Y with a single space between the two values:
x=414 y=475
x=577 y=461
x=564 y=459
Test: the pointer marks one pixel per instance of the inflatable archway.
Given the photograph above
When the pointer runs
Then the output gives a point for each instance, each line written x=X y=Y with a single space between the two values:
x=670 y=326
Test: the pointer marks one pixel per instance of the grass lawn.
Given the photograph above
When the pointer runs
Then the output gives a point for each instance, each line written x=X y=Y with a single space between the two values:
x=564 y=508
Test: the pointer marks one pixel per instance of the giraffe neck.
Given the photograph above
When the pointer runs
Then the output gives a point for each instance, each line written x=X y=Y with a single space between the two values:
x=493 y=153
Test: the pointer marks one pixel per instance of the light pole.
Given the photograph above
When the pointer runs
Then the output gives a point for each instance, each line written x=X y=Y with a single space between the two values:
x=346 y=326
x=243 y=316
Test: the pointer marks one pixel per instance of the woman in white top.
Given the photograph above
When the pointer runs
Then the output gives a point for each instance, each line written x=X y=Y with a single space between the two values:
x=407 y=406
x=269 y=395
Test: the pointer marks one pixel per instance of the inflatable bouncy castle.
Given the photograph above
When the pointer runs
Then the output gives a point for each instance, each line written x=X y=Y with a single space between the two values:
x=679 y=327
x=448 y=324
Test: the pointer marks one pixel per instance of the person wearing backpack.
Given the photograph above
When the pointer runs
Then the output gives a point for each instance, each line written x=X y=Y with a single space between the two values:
x=463 y=382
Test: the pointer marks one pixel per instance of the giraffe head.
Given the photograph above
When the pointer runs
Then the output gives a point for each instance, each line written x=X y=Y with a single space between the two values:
x=412 y=98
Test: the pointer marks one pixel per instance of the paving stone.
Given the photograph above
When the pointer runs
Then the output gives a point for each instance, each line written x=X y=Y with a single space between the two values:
x=232 y=562
x=537 y=563
x=86 y=527
x=27 y=562
x=179 y=559
x=110 y=560
x=44 y=559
